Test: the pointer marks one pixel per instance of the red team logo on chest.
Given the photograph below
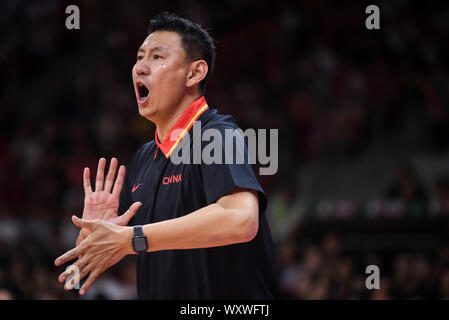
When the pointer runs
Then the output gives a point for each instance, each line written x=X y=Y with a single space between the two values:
x=172 y=179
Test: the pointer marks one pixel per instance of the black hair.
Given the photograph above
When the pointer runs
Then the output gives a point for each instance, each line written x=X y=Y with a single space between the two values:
x=196 y=41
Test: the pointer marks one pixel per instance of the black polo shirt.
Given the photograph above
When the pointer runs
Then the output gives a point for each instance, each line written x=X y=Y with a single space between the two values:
x=168 y=190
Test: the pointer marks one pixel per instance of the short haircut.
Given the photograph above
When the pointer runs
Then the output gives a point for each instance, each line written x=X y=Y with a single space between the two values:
x=196 y=41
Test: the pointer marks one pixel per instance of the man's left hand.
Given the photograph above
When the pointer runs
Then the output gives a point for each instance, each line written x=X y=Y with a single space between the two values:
x=106 y=245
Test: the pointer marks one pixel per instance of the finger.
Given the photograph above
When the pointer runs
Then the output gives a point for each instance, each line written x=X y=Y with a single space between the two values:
x=86 y=180
x=69 y=255
x=82 y=223
x=67 y=273
x=111 y=174
x=100 y=175
x=75 y=276
x=72 y=280
x=119 y=182
x=84 y=272
x=73 y=269
x=93 y=275
x=131 y=212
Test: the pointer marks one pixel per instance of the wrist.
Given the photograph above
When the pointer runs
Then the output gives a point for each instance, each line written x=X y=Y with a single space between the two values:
x=127 y=236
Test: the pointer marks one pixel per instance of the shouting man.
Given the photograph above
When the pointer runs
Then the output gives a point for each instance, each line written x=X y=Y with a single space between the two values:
x=199 y=230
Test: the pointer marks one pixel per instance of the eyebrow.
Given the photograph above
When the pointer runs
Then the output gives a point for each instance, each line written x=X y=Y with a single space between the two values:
x=157 y=48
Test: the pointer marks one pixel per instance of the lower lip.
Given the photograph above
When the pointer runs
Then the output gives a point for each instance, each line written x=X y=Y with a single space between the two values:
x=142 y=100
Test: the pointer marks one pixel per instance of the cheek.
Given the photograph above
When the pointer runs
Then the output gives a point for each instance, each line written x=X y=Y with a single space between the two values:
x=171 y=78
x=133 y=72
x=179 y=77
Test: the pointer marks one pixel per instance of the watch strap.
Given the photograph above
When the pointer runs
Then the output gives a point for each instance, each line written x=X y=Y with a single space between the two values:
x=138 y=231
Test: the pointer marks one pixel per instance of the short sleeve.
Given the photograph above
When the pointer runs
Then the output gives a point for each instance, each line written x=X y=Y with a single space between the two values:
x=221 y=177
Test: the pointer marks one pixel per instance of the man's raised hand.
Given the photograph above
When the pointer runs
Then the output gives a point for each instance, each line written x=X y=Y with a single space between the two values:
x=103 y=203
x=100 y=212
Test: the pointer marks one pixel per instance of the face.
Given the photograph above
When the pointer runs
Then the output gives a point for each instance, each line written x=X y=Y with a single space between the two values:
x=160 y=74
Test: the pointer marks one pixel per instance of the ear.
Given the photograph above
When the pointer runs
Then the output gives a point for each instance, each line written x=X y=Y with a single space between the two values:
x=197 y=72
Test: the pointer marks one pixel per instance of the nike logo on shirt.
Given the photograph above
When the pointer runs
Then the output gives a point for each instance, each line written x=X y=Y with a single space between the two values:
x=136 y=187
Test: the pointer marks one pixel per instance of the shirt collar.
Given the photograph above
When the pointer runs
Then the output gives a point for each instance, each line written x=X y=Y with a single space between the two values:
x=185 y=122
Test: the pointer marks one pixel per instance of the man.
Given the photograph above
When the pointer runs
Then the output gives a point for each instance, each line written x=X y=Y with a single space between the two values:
x=200 y=231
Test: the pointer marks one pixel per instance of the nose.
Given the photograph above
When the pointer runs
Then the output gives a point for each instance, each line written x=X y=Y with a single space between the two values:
x=142 y=69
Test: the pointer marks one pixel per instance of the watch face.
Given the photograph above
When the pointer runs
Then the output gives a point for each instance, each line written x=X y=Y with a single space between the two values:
x=140 y=244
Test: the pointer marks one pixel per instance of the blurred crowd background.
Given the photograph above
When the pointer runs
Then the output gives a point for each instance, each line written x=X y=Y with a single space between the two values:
x=362 y=115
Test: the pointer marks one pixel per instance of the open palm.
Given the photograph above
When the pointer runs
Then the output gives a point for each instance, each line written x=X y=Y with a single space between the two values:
x=103 y=203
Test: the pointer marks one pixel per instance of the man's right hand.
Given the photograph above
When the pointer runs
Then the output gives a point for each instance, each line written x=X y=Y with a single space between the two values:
x=103 y=203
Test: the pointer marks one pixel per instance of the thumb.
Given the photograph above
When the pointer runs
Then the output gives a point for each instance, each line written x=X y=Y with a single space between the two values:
x=82 y=223
x=131 y=212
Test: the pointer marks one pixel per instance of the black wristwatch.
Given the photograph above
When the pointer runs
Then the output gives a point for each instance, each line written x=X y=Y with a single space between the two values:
x=139 y=240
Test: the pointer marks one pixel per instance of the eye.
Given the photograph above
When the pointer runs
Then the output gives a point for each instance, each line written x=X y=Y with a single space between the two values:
x=156 y=56
x=139 y=57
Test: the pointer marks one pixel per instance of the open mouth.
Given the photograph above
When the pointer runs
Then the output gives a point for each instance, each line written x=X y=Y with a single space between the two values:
x=142 y=91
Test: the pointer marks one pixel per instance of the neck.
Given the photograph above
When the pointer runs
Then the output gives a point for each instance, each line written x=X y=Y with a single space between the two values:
x=164 y=126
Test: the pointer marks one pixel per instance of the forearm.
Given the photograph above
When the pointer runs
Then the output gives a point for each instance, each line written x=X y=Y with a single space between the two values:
x=210 y=226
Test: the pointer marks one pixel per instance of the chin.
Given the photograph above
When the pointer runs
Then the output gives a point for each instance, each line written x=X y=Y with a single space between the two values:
x=147 y=112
